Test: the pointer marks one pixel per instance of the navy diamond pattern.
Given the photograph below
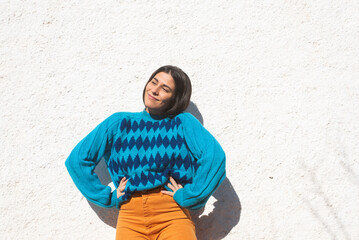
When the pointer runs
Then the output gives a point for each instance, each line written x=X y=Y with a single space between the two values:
x=148 y=158
x=117 y=144
x=129 y=163
x=165 y=142
x=179 y=141
x=132 y=143
x=146 y=143
x=179 y=161
x=139 y=143
x=168 y=125
x=158 y=160
x=153 y=142
x=159 y=141
x=123 y=125
x=136 y=161
x=165 y=160
x=173 y=142
x=144 y=179
x=136 y=180
x=151 y=161
x=128 y=126
x=148 y=126
x=144 y=162
x=134 y=126
x=124 y=145
x=186 y=162
x=151 y=178
x=155 y=126
x=142 y=125
x=158 y=177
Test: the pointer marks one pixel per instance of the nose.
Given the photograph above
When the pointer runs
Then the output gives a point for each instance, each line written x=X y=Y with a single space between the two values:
x=155 y=90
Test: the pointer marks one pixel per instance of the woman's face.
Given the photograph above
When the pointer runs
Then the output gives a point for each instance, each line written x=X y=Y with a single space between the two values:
x=158 y=93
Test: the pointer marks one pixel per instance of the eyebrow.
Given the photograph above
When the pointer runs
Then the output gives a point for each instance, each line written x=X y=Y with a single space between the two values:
x=163 y=84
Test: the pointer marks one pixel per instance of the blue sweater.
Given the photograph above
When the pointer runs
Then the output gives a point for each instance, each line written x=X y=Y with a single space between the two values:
x=148 y=149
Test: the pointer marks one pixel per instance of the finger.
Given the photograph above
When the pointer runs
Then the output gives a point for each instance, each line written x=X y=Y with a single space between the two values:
x=119 y=194
x=123 y=185
x=124 y=182
x=180 y=186
x=171 y=186
x=167 y=193
x=174 y=183
x=123 y=179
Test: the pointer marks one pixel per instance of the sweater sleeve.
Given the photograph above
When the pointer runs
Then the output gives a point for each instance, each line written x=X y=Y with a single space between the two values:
x=86 y=155
x=210 y=165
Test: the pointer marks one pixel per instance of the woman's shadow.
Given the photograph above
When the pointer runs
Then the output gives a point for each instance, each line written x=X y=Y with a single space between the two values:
x=213 y=226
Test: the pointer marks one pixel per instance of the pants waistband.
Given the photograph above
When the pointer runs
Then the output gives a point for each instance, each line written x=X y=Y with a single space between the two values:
x=149 y=191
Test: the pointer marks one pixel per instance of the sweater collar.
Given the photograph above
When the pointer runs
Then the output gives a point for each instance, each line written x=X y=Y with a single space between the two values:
x=154 y=117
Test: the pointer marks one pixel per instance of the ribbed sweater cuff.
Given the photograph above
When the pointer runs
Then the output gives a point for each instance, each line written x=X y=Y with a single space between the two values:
x=178 y=197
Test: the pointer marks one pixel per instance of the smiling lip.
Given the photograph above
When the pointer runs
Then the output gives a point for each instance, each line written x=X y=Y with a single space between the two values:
x=151 y=97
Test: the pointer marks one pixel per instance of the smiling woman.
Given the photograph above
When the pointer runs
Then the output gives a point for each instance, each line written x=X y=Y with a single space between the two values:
x=159 y=92
x=162 y=162
x=176 y=83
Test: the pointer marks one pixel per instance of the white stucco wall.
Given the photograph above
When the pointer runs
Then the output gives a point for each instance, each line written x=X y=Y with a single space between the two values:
x=276 y=82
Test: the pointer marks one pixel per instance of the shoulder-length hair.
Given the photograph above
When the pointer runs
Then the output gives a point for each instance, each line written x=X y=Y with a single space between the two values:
x=183 y=90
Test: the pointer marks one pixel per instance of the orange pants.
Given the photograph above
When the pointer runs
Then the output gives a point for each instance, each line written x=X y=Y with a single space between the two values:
x=154 y=215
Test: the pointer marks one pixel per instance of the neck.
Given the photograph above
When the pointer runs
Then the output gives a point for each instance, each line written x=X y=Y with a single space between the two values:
x=154 y=112
x=154 y=115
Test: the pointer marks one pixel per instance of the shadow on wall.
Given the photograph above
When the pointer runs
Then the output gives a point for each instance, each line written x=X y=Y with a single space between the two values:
x=214 y=226
x=332 y=216
x=192 y=109
x=107 y=215
x=227 y=209
x=224 y=216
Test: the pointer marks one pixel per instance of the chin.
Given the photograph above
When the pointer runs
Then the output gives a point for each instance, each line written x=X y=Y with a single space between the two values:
x=150 y=106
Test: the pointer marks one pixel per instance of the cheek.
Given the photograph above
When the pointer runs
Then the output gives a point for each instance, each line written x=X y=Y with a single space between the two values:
x=167 y=98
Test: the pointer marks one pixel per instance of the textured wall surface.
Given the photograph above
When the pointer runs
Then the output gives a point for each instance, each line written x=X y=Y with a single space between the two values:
x=276 y=82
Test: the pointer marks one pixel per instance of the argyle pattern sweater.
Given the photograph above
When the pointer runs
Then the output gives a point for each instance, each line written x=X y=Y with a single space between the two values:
x=147 y=149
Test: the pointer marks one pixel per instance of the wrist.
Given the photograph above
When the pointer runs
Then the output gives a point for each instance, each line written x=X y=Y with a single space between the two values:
x=178 y=196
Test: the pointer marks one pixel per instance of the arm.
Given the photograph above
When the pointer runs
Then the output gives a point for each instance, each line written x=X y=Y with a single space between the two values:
x=86 y=155
x=210 y=163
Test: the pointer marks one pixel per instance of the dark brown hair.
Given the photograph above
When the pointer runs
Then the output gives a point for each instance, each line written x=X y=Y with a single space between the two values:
x=183 y=90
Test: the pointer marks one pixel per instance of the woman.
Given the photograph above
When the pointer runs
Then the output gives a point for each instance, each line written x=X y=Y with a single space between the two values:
x=162 y=162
